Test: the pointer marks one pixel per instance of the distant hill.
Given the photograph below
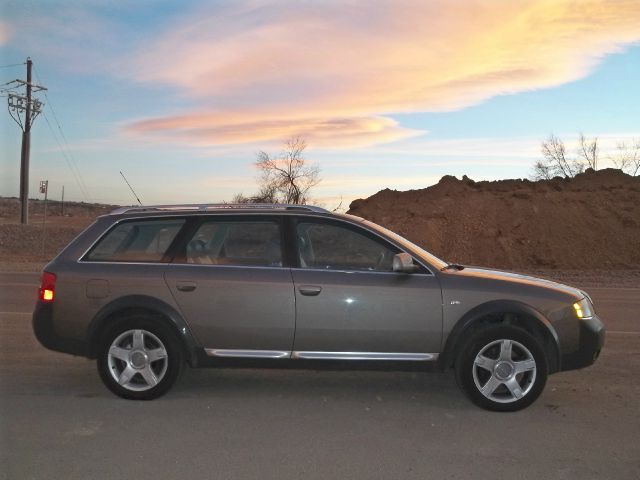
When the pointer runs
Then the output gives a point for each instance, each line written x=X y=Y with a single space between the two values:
x=24 y=243
x=10 y=208
x=591 y=221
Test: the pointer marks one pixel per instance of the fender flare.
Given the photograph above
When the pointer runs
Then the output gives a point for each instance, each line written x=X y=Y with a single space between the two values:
x=143 y=304
x=501 y=307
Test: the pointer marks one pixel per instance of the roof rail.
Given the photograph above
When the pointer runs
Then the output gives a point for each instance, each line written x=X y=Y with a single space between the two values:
x=219 y=206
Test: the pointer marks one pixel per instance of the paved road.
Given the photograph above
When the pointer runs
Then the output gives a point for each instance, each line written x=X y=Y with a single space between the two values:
x=58 y=422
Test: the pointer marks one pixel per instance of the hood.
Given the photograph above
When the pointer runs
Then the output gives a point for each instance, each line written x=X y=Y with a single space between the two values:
x=499 y=275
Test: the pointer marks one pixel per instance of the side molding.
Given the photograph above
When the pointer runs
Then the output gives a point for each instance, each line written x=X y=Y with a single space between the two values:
x=384 y=356
x=313 y=355
x=225 y=353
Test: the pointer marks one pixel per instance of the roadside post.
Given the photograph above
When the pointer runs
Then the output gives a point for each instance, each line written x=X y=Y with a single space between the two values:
x=44 y=188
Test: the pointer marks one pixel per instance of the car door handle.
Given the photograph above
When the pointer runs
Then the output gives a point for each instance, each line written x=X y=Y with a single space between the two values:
x=310 y=290
x=186 y=286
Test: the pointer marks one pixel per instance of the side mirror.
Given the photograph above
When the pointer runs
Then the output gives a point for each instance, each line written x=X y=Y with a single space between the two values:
x=403 y=263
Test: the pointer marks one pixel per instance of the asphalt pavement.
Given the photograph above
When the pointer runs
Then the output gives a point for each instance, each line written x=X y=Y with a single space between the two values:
x=57 y=421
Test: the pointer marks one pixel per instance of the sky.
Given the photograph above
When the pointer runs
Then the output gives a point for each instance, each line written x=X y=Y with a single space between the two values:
x=181 y=95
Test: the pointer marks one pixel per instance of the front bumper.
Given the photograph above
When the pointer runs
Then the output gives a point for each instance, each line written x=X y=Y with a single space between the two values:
x=43 y=328
x=592 y=333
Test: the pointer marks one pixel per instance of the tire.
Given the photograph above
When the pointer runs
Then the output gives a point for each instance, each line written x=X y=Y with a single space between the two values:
x=139 y=358
x=501 y=368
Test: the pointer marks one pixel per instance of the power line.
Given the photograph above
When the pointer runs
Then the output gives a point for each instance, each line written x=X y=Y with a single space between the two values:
x=66 y=158
x=9 y=87
x=71 y=161
x=9 y=91
x=12 y=65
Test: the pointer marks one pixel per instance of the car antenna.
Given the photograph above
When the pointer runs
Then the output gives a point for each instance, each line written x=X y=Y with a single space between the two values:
x=131 y=188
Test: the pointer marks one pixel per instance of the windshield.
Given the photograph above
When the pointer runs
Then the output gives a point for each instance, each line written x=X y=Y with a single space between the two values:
x=407 y=245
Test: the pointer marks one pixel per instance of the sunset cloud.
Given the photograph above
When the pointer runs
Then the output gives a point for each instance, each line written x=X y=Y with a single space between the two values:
x=5 y=32
x=333 y=132
x=334 y=71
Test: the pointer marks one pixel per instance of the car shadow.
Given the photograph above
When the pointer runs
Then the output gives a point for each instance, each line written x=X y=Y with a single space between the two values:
x=431 y=388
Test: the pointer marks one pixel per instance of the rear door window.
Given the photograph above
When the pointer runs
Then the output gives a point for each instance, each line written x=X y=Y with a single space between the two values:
x=240 y=243
x=136 y=241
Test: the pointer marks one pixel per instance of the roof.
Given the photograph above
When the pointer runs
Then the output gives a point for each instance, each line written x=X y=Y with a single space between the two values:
x=211 y=207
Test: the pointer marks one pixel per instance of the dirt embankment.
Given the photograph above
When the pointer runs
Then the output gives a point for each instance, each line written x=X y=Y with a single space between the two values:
x=589 y=222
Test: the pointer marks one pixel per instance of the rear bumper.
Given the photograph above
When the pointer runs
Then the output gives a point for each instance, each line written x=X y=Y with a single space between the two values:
x=592 y=333
x=43 y=328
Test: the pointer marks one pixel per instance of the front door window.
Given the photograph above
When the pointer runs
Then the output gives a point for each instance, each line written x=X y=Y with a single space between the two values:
x=327 y=246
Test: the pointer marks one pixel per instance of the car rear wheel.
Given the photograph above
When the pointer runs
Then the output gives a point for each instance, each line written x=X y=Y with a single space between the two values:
x=139 y=359
x=502 y=368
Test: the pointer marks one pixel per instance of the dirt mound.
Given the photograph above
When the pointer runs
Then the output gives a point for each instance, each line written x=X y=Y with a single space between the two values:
x=591 y=221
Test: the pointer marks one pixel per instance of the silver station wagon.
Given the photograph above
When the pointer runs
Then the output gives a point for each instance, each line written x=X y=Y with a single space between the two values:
x=145 y=290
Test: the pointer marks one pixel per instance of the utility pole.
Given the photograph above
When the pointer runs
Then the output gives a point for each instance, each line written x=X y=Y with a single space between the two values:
x=29 y=107
x=24 y=153
x=62 y=206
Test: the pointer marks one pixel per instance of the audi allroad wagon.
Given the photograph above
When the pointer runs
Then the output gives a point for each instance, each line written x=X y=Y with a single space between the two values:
x=145 y=290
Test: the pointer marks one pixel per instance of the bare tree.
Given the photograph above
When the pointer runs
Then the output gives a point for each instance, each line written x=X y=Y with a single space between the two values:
x=542 y=171
x=266 y=194
x=555 y=161
x=588 y=151
x=288 y=177
x=627 y=157
x=339 y=207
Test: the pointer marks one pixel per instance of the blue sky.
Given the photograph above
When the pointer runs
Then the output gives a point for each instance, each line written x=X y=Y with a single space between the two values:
x=181 y=95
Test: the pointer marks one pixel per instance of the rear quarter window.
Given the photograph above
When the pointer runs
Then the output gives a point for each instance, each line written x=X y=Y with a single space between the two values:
x=136 y=241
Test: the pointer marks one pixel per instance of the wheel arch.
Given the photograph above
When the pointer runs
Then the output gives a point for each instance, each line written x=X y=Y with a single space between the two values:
x=142 y=305
x=509 y=312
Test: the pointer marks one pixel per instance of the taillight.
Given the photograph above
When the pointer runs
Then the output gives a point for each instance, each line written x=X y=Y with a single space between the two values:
x=47 y=287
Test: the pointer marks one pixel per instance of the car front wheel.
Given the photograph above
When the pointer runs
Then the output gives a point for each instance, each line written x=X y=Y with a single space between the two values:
x=502 y=368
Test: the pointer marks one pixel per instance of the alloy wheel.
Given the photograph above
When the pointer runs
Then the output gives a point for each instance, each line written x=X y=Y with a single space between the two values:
x=137 y=360
x=504 y=371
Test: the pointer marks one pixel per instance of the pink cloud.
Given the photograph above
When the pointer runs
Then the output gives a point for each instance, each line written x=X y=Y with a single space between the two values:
x=334 y=132
x=6 y=32
x=330 y=71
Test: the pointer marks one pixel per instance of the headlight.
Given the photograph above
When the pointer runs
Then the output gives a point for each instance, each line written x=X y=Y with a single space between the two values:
x=583 y=308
